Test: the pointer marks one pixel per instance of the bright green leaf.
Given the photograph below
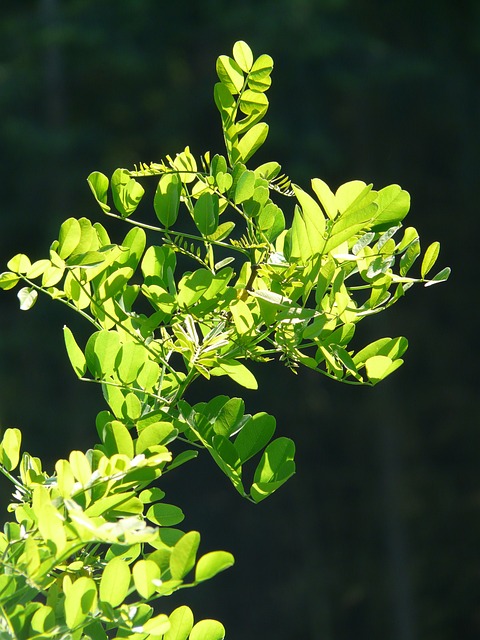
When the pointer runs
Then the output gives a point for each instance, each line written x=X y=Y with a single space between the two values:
x=181 y=623
x=208 y=630
x=115 y=582
x=429 y=259
x=167 y=199
x=165 y=515
x=182 y=559
x=126 y=191
x=144 y=573
x=212 y=563
x=255 y=435
x=243 y=55
x=75 y=354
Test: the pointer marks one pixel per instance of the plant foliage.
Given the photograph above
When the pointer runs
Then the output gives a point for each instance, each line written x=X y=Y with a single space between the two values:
x=93 y=544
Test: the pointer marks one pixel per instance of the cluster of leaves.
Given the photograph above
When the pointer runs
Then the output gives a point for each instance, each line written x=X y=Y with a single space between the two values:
x=82 y=541
x=262 y=288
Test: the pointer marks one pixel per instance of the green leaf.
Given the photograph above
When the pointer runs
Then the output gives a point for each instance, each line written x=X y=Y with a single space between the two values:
x=271 y=221
x=181 y=623
x=167 y=199
x=69 y=237
x=98 y=183
x=154 y=434
x=441 y=276
x=274 y=469
x=101 y=352
x=308 y=227
x=126 y=191
x=212 y=563
x=223 y=231
x=379 y=367
x=157 y=626
x=393 y=205
x=182 y=559
x=237 y=372
x=208 y=630
x=144 y=573
x=80 y=600
x=230 y=74
x=259 y=77
x=245 y=187
x=409 y=257
x=19 y=263
x=129 y=360
x=242 y=317
x=429 y=259
x=10 y=448
x=117 y=439
x=75 y=354
x=251 y=141
x=230 y=417
x=252 y=103
x=255 y=435
x=115 y=582
x=205 y=213
x=243 y=55
x=165 y=515
x=28 y=297
x=8 y=280
x=326 y=197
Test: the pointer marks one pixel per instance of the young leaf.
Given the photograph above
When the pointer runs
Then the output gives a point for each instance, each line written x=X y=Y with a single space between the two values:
x=259 y=77
x=167 y=199
x=441 y=276
x=205 y=213
x=165 y=515
x=69 y=237
x=28 y=297
x=144 y=573
x=126 y=192
x=8 y=280
x=157 y=626
x=243 y=55
x=230 y=74
x=181 y=623
x=80 y=599
x=208 y=630
x=429 y=259
x=75 y=354
x=115 y=582
x=255 y=435
x=251 y=141
x=182 y=559
x=98 y=183
x=237 y=372
x=10 y=448
x=212 y=563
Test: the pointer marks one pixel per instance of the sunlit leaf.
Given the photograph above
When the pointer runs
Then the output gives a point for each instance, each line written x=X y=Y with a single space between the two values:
x=75 y=354
x=243 y=55
x=27 y=297
x=212 y=563
x=115 y=582
x=182 y=559
x=126 y=191
x=144 y=573
x=429 y=259
x=181 y=623
x=208 y=630
x=167 y=199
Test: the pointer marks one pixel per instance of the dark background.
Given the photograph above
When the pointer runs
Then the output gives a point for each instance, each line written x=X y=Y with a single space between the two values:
x=377 y=535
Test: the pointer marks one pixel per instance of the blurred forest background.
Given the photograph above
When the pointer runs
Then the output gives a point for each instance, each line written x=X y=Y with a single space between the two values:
x=377 y=536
